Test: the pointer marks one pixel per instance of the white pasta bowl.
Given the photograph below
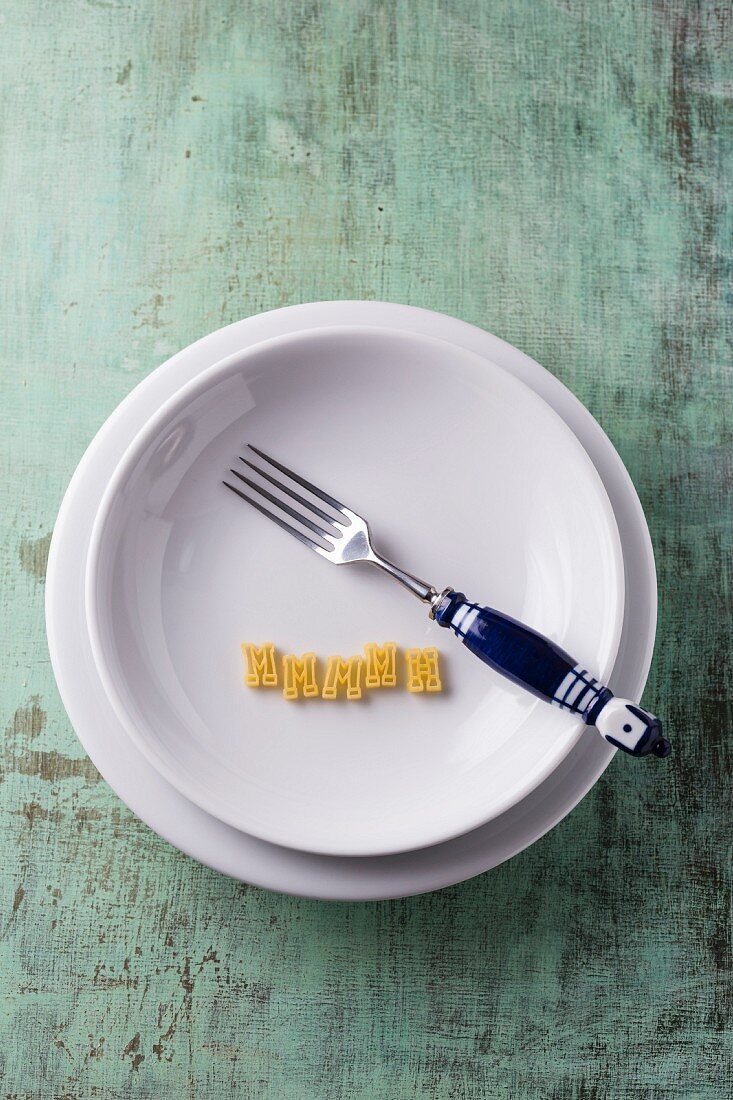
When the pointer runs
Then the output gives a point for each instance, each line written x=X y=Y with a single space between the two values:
x=467 y=477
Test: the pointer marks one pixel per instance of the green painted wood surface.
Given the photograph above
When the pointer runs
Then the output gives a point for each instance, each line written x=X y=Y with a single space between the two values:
x=558 y=173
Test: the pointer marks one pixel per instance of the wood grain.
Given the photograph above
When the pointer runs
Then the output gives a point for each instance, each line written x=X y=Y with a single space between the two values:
x=556 y=172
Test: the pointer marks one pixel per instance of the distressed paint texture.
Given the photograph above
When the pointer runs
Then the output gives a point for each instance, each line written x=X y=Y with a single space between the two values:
x=557 y=172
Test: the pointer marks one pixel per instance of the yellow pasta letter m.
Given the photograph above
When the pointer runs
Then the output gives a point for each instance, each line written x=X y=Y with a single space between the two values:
x=422 y=670
x=380 y=665
x=261 y=670
x=299 y=676
x=343 y=673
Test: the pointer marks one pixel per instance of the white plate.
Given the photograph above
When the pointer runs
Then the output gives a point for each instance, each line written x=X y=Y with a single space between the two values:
x=466 y=475
x=204 y=837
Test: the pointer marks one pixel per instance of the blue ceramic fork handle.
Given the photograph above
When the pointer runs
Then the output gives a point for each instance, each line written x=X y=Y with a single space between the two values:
x=540 y=666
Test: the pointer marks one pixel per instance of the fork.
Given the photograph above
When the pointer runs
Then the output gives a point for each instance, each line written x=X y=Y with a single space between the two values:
x=527 y=658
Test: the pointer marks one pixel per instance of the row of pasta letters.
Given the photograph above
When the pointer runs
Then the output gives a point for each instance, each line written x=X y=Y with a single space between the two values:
x=380 y=666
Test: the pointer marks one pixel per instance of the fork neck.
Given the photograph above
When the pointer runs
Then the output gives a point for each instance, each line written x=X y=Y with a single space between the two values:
x=423 y=591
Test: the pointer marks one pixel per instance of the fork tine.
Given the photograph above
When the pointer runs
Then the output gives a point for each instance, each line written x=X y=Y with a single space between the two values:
x=276 y=519
x=301 y=481
x=314 y=527
x=291 y=492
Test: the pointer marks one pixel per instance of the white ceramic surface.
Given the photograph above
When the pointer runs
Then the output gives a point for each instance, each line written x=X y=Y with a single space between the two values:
x=466 y=475
x=206 y=838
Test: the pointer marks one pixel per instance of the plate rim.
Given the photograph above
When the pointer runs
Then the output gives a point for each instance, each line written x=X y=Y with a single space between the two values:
x=239 y=855
x=204 y=796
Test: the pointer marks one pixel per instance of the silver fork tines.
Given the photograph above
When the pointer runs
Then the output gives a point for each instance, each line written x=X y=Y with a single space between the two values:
x=304 y=519
x=346 y=538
